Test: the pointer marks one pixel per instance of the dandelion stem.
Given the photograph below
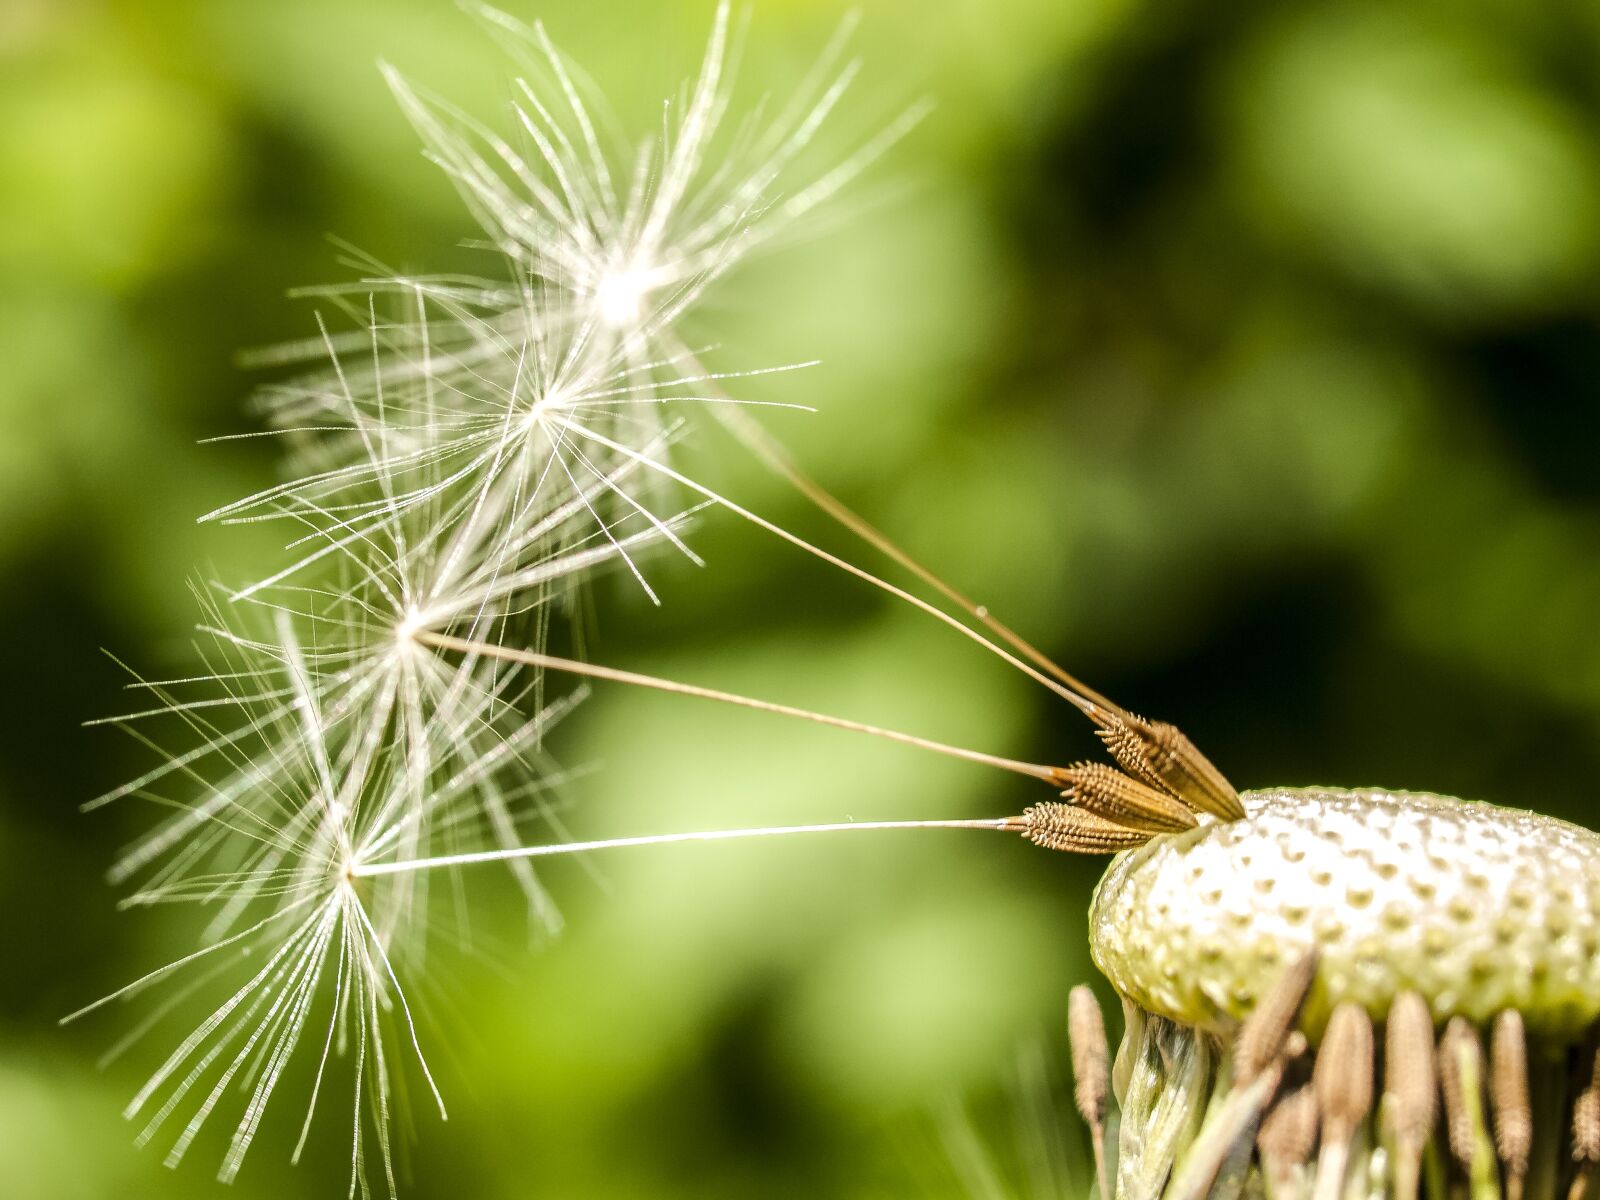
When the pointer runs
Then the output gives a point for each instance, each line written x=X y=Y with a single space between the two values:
x=1088 y=707
x=532 y=658
x=767 y=448
x=363 y=870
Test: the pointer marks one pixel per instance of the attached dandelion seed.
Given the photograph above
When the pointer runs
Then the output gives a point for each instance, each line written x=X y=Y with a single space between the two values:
x=1263 y=1036
x=1586 y=1129
x=1342 y=1084
x=1508 y=1089
x=1091 y=1072
x=1107 y=793
x=1410 y=1088
x=1287 y=1138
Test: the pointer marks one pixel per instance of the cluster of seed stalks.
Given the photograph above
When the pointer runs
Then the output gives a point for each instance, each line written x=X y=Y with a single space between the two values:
x=1365 y=1113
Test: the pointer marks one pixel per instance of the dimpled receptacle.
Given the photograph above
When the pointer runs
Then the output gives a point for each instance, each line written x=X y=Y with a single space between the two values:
x=1477 y=908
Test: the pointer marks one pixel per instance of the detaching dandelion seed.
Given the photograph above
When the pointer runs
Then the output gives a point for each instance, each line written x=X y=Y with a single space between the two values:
x=462 y=460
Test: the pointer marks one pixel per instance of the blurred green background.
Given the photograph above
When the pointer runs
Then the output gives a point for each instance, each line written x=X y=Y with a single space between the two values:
x=1243 y=355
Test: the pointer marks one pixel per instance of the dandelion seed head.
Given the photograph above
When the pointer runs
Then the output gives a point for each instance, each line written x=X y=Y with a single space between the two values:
x=1475 y=907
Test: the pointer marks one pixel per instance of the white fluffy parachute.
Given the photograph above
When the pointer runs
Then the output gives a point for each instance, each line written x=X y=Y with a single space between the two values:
x=462 y=454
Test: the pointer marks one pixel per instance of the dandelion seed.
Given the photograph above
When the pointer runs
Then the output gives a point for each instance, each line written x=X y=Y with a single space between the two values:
x=1086 y=1033
x=1342 y=1082
x=1263 y=1035
x=1288 y=1136
x=1508 y=1087
x=1108 y=793
x=462 y=457
x=1410 y=1087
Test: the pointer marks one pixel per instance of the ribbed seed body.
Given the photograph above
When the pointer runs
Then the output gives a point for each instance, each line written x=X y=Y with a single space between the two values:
x=1342 y=1079
x=1057 y=826
x=1161 y=754
x=1586 y=1119
x=1410 y=1087
x=1091 y=1054
x=1508 y=1093
x=1289 y=1132
x=1396 y=891
x=1409 y=1078
x=1107 y=792
x=1262 y=1036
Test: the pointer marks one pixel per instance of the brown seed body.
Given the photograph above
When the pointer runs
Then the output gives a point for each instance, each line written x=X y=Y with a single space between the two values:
x=1342 y=1081
x=1160 y=752
x=1289 y=1133
x=1261 y=1037
x=1091 y=1054
x=1410 y=1087
x=1586 y=1119
x=1126 y=744
x=1342 y=1078
x=1091 y=1071
x=1107 y=792
x=1508 y=1089
x=1460 y=1061
x=1057 y=826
